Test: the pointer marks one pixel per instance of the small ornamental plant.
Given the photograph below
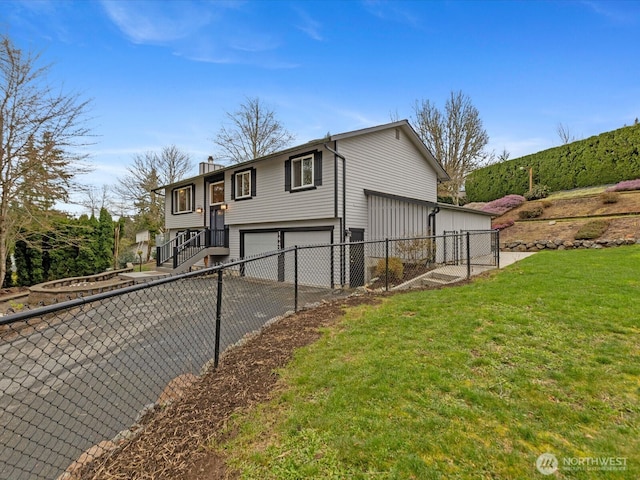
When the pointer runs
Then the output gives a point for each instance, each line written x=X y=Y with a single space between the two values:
x=592 y=230
x=502 y=226
x=538 y=191
x=534 y=212
x=609 y=197
x=396 y=269
x=626 y=185
x=501 y=205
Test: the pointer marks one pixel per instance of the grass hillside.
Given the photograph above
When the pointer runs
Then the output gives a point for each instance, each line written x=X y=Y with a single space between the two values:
x=470 y=382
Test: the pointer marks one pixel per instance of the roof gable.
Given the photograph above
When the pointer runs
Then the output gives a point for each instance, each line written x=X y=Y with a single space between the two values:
x=404 y=125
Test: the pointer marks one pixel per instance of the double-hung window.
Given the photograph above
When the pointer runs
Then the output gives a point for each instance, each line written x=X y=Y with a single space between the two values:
x=183 y=199
x=243 y=184
x=302 y=172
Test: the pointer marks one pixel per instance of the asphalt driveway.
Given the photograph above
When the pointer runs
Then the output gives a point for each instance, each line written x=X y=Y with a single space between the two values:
x=68 y=386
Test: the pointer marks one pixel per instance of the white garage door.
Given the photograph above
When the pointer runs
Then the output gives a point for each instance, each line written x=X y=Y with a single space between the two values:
x=255 y=244
x=314 y=265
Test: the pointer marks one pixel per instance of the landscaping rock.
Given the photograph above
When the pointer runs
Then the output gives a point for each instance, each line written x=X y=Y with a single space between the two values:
x=73 y=471
x=559 y=244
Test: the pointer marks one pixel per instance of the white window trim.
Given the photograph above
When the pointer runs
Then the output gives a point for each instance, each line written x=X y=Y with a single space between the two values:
x=301 y=159
x=189 y=196
x=239 y=190
x=211 y=185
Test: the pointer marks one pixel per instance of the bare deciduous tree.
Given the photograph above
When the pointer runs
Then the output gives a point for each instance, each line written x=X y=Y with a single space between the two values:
x=137 y=190
x=95 y=199
x=40 y=130
x=253 y=132
x=565 y=134
x=455 y=136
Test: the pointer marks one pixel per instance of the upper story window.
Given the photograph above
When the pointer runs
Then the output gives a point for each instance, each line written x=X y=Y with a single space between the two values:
x=302 y=172
x=216 y=193
x=243 y=184
x=182 y=200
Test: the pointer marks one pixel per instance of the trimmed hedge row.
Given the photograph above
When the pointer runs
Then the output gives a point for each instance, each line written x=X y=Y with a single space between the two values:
x=606 y=158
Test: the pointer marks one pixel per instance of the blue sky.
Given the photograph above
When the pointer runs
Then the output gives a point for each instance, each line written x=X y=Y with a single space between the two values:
x=162 y=73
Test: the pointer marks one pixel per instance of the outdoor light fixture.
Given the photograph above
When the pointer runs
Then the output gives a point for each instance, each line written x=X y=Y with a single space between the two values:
x=199 y=209
x=224 y=206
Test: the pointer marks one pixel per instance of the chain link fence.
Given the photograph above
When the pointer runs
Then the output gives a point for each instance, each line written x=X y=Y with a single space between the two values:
x=84 y=372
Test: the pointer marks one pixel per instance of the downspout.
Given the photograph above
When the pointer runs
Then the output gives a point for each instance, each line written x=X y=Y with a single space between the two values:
x=344 y=189
x=431 y=221
x=343 y=230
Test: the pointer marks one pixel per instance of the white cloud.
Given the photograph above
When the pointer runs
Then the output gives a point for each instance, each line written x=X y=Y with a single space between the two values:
x=309 y=25
x=156 y=23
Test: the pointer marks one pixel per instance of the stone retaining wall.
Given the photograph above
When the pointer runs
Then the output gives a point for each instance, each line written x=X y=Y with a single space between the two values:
x=70 y=288
x=558 y=244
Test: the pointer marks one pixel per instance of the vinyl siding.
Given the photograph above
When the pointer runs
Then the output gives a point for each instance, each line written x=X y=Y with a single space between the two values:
x=456 y=220
x=273 y=204
x=381 y=162
x=186 y=220
x=234 y=230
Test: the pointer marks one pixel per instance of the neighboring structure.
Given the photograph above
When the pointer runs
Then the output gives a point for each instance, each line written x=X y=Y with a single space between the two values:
x=369 y=184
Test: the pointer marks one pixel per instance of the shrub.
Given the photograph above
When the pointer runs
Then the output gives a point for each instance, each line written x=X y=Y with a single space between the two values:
x=625 y=186
x=534 y=212
x=127 y=257
x=504 y=204
x=609 y=197
x=603 y=159
x=502 y=226
x=416 y=250
x=396 y=269
x=592 y=230
x=537 y=192
x=546 y=203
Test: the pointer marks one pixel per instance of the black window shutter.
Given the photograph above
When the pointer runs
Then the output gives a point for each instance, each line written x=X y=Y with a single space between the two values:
x=317 y=169
x=253 y=182
x=287 y=175
x=173 y=199
x=233 y=186
x=193 y=197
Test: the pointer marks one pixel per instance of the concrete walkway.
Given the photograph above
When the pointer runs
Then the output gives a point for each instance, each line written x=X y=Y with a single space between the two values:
x=509 y=258
x=454 y=273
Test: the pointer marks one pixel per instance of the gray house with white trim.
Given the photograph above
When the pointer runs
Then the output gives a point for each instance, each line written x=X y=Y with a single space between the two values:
x=370 y=184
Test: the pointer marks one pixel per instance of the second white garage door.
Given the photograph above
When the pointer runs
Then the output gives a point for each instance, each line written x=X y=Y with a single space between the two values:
x=314 y=265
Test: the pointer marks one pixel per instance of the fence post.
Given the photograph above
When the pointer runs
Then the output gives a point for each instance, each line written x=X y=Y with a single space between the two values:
x=468 y=255
x=295 y=278
x=218 y=320
x=496 y=237
x=386 y=264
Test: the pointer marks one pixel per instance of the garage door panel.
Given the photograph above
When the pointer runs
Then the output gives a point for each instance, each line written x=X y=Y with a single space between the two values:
x=256 y=244
x=314 y=264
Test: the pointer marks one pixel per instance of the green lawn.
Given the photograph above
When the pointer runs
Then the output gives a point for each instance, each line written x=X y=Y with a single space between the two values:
x=468 y=382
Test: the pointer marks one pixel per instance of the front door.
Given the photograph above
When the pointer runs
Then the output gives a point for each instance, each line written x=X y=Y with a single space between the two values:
x=217 y=226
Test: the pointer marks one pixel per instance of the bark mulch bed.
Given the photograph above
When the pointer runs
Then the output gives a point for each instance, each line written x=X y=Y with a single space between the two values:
x=173 y=441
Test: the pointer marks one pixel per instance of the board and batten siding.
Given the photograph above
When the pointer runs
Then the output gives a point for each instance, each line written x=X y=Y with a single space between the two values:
x=384 y=161
x=393 y=218
x=272 y=203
